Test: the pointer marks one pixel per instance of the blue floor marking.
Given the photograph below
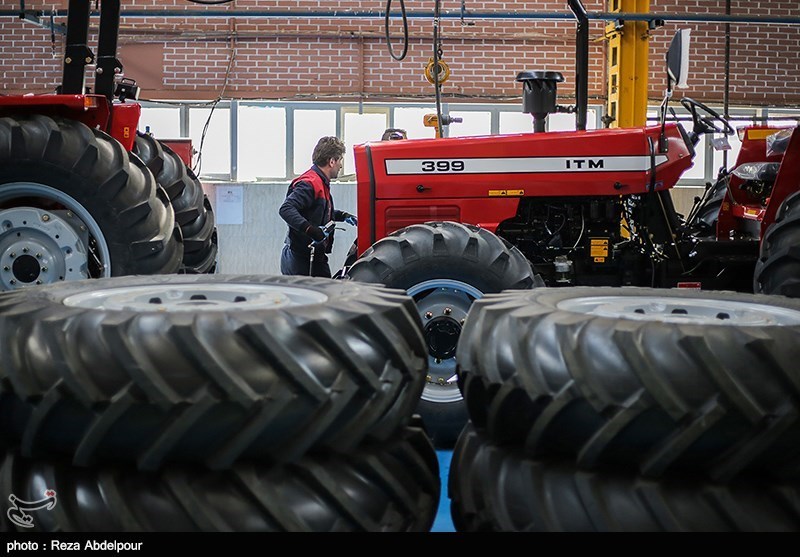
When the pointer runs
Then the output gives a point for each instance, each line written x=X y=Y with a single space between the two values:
x=443 y=522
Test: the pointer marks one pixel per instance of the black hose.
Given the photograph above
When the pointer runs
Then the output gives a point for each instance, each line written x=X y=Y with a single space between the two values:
x=405 y=30
x=436 y=84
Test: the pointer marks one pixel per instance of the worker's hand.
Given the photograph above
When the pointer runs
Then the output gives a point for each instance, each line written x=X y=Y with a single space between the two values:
x=350 y=219
x=316 y=233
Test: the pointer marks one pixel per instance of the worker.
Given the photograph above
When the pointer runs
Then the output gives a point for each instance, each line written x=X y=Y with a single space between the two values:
x=308 y=207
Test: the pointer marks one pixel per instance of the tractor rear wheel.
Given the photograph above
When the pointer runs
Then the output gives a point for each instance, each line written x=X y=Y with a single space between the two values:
x=74 y=204
x=444 y=266
x=193 y=211
x=778 y=267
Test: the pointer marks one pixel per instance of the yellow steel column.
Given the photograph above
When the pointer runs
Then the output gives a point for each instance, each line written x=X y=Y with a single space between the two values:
x=627 y=65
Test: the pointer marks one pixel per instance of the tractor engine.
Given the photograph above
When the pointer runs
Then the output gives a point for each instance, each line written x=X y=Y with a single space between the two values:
x=573 y=240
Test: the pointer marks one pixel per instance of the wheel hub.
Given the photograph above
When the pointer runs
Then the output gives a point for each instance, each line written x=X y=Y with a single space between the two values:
x=26 y=268
x=39 y=247
x=442 y=335
x=443 y=305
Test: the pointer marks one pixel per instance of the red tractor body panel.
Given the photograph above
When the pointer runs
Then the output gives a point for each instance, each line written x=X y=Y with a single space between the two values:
x=124 y=121
x=93 y=110
x=787 y=182
x=480 y=180
x=738 y=206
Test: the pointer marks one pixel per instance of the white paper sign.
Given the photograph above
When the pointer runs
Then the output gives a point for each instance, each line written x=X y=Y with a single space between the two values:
x=230 y=205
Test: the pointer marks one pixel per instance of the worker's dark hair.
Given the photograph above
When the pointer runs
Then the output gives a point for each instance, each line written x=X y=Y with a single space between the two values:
x=327 y=148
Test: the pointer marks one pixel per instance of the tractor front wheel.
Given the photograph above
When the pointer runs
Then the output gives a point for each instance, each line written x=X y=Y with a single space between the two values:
x=444 y=266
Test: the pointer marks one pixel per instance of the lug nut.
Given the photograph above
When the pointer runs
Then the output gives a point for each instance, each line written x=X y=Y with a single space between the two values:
x=25 y=250
x=463 y=321
x=12 y=255
x=12 y=281
x=45 y=218
x=38 y=256
x=448 y=311
x=44 y=269
x=441 y=381
x=428 y=378
x=437 y=360
x=428 y=315
x=69 y=214
x=38 y=282
x=6 y=268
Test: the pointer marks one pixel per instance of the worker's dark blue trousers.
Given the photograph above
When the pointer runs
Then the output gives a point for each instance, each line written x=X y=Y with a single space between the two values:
x=298 y=263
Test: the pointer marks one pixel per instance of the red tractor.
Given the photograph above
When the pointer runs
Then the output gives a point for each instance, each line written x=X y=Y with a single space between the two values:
x=82 y=195
x=449 y=220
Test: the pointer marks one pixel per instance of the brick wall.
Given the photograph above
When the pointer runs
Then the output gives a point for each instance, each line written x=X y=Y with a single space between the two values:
x=347 y=58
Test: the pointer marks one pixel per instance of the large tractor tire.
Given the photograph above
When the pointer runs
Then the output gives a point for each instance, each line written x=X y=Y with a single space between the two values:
x=502 y=489
x=778 y=267
x=646 y=379
x=206 y=368
x=74 y=204
x=389 y=487
x=444 y=266
x=193 y=211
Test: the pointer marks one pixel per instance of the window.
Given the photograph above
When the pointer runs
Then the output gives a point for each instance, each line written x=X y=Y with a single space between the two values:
x=163 y=123
x=411 y=120
x=474 y=123
x=360 y=128
x=262 y=142
x=309 y=126
x=214 y=150
x=515 y=122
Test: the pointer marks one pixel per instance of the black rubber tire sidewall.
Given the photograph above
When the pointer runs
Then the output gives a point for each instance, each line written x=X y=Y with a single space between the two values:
x=160 y=386
x=390 y=487
x=642 y=395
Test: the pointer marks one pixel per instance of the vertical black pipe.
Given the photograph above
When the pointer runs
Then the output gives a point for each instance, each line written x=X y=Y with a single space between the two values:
x=107 y=64
x=581 y=63
x=76 y=54
x=726 y=93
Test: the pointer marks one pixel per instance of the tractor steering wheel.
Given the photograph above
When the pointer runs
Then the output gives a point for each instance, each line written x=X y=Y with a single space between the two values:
x=706 y=121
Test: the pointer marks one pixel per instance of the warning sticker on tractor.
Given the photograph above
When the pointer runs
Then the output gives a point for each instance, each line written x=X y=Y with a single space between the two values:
x=598 y=249
x=506 y=193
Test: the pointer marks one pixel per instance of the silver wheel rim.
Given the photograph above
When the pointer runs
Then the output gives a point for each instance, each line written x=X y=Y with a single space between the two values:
x=182 y=298
x=683 y=310
x=443 y=305
x=61 y=238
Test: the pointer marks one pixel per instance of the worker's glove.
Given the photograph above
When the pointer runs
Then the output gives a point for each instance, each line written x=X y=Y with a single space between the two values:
x=350 y=219
x=316 y=233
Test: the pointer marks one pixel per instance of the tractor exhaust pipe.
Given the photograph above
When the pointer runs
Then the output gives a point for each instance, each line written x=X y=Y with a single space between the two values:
x=581 y=63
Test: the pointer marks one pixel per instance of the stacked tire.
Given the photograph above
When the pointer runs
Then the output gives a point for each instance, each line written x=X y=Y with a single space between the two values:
x=213 y=403
x=633 y=409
